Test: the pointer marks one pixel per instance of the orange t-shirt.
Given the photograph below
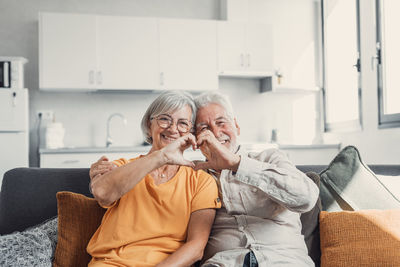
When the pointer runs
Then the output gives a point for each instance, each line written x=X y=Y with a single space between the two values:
x=150 y=222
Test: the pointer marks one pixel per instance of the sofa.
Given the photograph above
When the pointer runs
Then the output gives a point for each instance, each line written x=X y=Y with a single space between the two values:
x=28 y=197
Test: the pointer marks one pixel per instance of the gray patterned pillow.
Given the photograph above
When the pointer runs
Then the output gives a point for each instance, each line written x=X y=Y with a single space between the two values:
x=34 y=246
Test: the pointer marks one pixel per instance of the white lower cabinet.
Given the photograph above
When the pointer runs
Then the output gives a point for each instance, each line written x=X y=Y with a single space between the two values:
x=310 y=154
x=84 y=160
x=298 y=154
x=79 y=160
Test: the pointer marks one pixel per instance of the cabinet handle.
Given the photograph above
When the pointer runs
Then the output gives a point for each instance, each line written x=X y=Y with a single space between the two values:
x=14 y=101
x=248 y=60
x=70 y=161
x=91 y=77
x=99 y=78
x=161 y=78
x=241 y=60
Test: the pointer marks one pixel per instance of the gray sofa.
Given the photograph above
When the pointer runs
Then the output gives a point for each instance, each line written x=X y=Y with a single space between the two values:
x=28 y=196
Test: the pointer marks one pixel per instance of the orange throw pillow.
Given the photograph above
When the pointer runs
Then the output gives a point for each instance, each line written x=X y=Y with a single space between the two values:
x=360 y=238
x=78 y=218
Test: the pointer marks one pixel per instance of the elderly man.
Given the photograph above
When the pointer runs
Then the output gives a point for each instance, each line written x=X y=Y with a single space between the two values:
x=263 y=195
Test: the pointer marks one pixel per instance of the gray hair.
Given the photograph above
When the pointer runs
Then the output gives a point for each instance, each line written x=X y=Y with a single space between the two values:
x=167 y=102
x=211 y=97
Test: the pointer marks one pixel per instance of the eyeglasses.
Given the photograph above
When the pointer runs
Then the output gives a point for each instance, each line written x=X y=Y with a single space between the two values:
x=165 y=121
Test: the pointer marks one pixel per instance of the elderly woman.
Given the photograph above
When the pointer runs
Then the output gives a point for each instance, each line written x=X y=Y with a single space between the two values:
x=159 y=210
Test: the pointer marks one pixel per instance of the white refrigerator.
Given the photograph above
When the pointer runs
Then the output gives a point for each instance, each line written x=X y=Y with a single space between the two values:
x=14 y=131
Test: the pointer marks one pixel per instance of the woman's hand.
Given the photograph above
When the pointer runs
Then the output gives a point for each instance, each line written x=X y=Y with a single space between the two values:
x=173 y=153
x=100 y=167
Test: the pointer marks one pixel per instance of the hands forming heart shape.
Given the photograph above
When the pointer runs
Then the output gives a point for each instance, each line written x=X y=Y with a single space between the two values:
x=217 y=156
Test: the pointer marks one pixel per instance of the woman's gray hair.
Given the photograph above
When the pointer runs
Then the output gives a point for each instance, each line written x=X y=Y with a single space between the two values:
x=167 y=102
x=210 y=97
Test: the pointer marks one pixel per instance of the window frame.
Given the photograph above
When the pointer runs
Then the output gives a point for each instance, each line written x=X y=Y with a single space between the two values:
x=384 y=120
x=349 y=125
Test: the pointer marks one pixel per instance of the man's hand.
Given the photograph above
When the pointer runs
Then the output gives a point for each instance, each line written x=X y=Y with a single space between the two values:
x=100 y=167
x=174 y=151
x=217 y=155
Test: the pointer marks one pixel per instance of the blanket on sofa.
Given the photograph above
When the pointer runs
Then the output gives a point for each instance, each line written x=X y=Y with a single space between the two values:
x=34 y=246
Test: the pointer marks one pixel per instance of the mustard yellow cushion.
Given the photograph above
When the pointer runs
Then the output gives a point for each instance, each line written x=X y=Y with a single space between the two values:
x=360 y=238
x=78 y=219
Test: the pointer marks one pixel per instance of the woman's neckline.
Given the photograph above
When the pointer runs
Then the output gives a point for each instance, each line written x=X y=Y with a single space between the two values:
x=153 y=180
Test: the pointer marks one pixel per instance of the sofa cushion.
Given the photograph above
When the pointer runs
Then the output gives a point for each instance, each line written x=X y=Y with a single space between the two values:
x=348 y=181
x=360 y=238
x=28 y=195
x=309 y=222
x=78 y=219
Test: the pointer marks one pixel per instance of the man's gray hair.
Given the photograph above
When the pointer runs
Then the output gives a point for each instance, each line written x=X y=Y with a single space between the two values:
x=211 y=97
x=167 y=102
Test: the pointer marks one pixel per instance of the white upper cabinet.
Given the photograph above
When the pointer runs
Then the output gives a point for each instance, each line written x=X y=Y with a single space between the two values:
x=188 y=54
x=109 y=52
x=90 y=52
x=98 y=52
x=259 y=47
x=127 y=53
x=245 y=49
x=231 y=48
x=67 y=44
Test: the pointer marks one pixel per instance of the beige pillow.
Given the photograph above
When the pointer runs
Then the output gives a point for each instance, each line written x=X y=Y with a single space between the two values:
x=354 y=186
x=78 y=219
x=360 y=238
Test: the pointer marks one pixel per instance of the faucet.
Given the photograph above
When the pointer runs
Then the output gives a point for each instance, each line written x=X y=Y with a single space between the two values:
x=109 y=140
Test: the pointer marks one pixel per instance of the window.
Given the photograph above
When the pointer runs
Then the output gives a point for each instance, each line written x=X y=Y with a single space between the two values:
x=388 y=55
x=341 y=64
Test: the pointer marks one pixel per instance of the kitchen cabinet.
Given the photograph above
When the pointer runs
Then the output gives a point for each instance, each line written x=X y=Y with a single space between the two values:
x=98 y=52
x=127 y=53
x=90 y=52
x=188 y=54
x=78 y=160
x=83 y=157
x=67 y=54
x=245 y=49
